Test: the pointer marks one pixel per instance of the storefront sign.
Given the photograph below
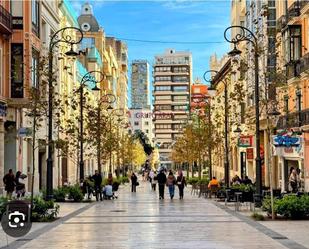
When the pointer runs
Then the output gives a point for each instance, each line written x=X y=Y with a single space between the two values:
x=249 y=153
x=245 y=141
x=286 y=141
x=288 y=146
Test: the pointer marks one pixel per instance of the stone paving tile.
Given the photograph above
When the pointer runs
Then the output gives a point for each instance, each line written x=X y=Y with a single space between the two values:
x=143 y=221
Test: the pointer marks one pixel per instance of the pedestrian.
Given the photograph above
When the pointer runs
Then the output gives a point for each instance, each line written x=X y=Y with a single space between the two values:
x=97 y=178
x=213 y=183
x=20 y=184
x=151 y=173
x=161 y=181
x=293 y=180
x=9 y=183
x=133 y=182
x=246 y=181
x=181 y=183
x=170 y=183
x=154 y=181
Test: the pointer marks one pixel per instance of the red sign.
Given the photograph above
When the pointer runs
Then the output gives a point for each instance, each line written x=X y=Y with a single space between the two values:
x=245 y=141
x=249 y=153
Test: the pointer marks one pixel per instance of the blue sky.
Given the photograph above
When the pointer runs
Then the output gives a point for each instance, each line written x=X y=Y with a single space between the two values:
x=179 y=20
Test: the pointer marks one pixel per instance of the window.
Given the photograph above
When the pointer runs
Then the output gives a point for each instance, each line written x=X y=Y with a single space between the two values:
x=35 y=15
x=162 y=88
x=180 y=108
x=298 y=100
x=136 y=123
x=163 y=126
x=180 y=79
x=163 y=78
x=163 y=107
x=87 y=42
x=147 y=131
x=180 y=70
x=146 y=123
x=180 y=98
x=292 y=43
x=180 y=116
x=177 y=126
x=35 y=68
x=17 y=14
x=17 y=71
x=286 y=104
x=163 y=97
x=180 y=88
x=163 y=69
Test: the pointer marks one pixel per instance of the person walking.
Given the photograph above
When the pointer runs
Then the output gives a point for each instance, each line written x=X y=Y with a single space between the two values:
x=170 y=183
x=20 y=185
x=154 y=181
x=9 y=183
x=161 y=181
x=133 y=182
x=293 y=180
x=181 y=183
x=97 y=178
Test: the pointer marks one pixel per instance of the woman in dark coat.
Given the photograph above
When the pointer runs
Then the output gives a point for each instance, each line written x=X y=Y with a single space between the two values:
x=181 y=183
x=133 y=182
x=9 y=183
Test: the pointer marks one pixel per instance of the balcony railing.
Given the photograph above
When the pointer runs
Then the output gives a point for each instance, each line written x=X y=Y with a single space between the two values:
x=295 y=119
x=5 y=21
x=294 y=10
x=295 y=68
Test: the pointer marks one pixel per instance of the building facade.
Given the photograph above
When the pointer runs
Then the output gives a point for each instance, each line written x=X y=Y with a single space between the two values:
x=141 y=120
x=293 y=93
x=140 y=84
x=172 y=75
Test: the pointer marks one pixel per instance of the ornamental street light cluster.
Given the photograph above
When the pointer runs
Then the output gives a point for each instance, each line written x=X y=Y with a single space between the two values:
x=61 y=36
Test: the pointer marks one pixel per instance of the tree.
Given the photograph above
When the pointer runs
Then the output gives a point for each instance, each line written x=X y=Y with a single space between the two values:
x=144 y=140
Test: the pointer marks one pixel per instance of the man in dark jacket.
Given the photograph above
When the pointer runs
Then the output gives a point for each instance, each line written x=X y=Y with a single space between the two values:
x=97 y=185
x=9 y=183
x=161 y=177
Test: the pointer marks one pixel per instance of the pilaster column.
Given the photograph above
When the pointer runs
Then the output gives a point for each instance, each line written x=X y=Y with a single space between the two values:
x=1 y=156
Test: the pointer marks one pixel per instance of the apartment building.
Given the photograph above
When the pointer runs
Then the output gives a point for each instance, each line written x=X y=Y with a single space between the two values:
x=293 y=92
x=172 y=73
x=140 y=84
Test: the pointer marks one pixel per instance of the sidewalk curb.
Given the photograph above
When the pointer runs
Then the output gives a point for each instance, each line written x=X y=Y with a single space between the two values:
x=33 y=235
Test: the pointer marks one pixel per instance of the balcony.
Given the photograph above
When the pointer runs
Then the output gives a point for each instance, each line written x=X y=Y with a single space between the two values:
x=295 y=68
x=294 y=10
x=5 y=21
x=295 y=119
x=281 y=23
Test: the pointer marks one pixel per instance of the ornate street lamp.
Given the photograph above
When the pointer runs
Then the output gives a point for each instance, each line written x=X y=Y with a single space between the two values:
x=61 y=36
x=244 y=34
x=87 y=78
x=226 y=157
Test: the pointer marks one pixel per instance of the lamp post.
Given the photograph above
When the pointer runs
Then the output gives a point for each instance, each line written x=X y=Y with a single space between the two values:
x=105 y=99
x=226 y=157
x=245 y=34
x=61 y=36
x=87 y=78
x=119 y=113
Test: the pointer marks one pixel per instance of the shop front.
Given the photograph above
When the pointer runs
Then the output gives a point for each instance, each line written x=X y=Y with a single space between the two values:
x=290 y=152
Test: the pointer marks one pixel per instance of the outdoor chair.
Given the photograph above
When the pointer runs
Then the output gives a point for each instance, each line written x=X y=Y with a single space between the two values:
x=213 y=190
x=195 y=189
x=203 y=190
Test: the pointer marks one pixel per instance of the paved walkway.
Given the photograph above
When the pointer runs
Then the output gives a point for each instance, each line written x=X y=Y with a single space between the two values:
x=140 y=220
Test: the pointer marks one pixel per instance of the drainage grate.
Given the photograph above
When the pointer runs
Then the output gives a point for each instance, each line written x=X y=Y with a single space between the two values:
x=118 y=211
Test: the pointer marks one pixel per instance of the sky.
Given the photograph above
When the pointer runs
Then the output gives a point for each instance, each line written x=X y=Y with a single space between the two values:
x=166 y=21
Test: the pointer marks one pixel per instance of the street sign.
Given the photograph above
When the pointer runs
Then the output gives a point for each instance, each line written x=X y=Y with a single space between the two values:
x=24 y=132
